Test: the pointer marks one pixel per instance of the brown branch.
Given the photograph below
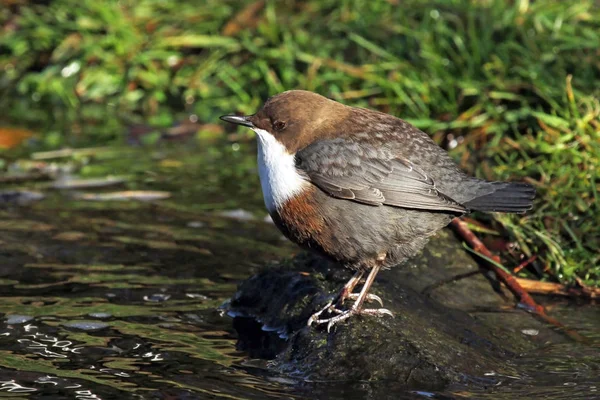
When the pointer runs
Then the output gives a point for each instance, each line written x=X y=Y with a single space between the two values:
x=510 y=281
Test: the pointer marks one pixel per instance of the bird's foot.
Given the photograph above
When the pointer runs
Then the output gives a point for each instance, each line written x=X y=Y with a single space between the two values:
x=343 y=315
x=331 y=305
x=315 y=317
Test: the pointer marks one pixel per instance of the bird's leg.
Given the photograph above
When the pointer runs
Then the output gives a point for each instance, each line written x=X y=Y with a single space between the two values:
x=356 y=307
x=348 y=289
x=364 y=292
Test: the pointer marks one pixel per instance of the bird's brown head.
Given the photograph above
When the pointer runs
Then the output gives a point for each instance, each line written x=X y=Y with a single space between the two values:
x=295 y=118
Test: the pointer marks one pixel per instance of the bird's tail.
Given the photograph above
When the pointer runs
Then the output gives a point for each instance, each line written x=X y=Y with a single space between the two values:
x=506 y=197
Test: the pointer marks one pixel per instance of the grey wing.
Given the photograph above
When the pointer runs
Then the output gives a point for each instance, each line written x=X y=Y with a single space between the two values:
x=372 y=175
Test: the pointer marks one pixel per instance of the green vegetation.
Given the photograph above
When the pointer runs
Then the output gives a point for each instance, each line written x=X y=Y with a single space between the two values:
x=515 y=83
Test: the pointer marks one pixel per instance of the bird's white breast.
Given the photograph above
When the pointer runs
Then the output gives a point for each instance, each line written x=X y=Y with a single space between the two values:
x=279 y=177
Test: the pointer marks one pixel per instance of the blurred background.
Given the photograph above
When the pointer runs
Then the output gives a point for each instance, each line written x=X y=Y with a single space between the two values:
x=509 y=87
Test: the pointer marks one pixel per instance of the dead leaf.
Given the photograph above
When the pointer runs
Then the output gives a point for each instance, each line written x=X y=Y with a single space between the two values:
x=12 y=137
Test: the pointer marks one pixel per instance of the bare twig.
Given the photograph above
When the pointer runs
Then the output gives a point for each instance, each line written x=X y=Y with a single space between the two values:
x=508 y=280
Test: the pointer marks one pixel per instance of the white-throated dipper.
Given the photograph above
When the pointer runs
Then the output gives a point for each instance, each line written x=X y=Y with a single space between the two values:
x=363 y=188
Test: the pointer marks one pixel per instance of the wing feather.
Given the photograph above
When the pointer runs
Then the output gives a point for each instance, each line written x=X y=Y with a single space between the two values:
x=359 y=172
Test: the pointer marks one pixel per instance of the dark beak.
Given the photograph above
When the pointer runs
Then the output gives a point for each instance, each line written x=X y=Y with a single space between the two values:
x=238 y=120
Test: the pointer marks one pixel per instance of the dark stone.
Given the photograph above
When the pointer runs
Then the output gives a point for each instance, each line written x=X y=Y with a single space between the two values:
x=444 y=331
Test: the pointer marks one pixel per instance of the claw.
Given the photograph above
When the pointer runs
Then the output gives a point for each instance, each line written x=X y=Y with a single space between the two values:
x=329 y=325
x=370 y=297
x=315 y=316
x=379 y=312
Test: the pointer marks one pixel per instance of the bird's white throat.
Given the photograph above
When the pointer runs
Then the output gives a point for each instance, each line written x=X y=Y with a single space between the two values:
x=279 y=177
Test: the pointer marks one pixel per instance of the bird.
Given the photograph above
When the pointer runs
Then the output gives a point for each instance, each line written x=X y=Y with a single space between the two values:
x=362 y=188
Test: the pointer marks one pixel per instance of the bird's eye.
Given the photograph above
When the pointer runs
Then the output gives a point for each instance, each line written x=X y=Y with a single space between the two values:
x=279 y=125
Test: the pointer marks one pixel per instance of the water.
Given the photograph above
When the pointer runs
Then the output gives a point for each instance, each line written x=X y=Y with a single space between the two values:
x=120 y=299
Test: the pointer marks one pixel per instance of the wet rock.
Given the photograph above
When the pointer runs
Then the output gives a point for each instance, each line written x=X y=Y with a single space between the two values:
x=17 y=319
x=444 y=330
x=100 y=315
x=157 y=297
x=197 y=296
x=20 y=197
x=88 y=326
x=239 y=214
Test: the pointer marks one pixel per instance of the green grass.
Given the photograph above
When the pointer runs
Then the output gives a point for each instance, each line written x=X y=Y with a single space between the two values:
x=517 y=82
